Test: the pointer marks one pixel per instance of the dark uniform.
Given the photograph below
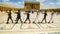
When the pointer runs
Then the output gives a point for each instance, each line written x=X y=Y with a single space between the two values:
x=45 y=14
x=9 y=16
x=18 y=17
x=28 y=17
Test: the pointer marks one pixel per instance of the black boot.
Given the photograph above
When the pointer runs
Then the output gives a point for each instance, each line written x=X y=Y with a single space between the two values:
x=38 y=22
x=16 y=22
x=52 y=22
x=49 y=22
x=24 y=22
x=7 y=23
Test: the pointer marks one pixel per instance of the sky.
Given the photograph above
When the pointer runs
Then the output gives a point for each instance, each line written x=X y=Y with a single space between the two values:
x=44 y=4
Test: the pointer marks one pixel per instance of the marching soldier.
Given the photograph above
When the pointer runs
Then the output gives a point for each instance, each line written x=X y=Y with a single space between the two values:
x=9 y=17
x=51 y=19
x=45 y=14
x=18 y=16
x=28 y=17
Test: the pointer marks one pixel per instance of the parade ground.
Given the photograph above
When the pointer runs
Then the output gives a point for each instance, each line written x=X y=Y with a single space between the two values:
x=24 y=27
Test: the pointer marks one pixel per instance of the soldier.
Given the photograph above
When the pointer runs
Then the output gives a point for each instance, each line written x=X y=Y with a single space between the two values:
x=28 y=17
x=18 y=16
x=9 y=17
x=36 y=19
x=45 y=14
x=51 y=19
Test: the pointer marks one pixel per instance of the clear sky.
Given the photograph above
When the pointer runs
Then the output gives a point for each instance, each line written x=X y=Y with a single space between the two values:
x=44 y=4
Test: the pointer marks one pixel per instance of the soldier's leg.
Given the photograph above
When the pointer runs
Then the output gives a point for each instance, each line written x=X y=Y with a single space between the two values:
x=38 y=20
x=35 y=20
x=21 y=20
x=50 y=19
x=25 y=20
x=42 y=20
x=29 y=20
x=7 y=20
x=17 y=20
x=11 y=20
x=45 y=20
